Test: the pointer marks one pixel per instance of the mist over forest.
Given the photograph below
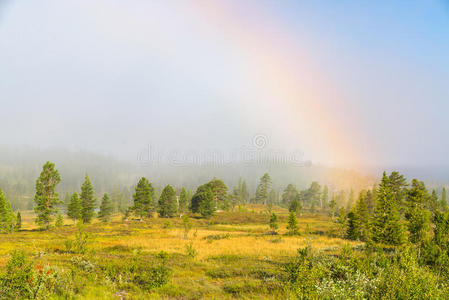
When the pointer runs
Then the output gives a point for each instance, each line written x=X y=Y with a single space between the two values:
x=20 y=166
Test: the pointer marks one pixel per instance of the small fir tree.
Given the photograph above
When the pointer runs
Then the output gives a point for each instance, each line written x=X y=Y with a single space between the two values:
x=292 y=226
x=167 y=202
x=274 y=222
x=88 y=202
x=46 y=198
x=74 y=208
x=106 y=208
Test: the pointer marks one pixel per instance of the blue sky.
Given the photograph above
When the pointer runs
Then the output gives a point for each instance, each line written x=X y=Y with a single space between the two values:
x=114 y=76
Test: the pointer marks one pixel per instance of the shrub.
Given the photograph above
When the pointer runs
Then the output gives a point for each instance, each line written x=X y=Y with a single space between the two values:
x=190 y=250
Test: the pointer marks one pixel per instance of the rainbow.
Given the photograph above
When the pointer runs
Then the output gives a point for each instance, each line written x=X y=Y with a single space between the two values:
x=286 y=73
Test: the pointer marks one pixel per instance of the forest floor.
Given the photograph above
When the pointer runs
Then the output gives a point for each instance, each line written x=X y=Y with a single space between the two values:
x=231 y=255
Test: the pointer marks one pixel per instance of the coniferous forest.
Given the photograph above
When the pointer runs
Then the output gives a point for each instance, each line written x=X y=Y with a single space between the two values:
x=224 y=149
x=388 y=241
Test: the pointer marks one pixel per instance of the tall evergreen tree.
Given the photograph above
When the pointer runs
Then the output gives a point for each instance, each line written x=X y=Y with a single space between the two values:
x=370 y=201
x=325 y=197
x=203 y=201
x=361 y=209
x=143 y=199
x=167 y=202
x=7 y=218
x=398 y=185
x=313 y=194
x=88 y=202
x=353 y=230
x=74 y=208
x=106 y=208
x=289 y=195
x=219 y=189
x=263 y=188
x=183 y=201
x=387 y=227
x=46 y=198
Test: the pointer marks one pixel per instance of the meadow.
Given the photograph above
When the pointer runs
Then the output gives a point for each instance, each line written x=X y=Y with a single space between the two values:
x=230 y=255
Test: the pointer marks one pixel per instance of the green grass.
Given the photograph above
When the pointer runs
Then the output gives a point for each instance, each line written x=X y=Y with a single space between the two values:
x=235 y=257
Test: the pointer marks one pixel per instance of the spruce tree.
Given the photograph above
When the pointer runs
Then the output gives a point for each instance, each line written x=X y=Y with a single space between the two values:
x=292 y=225
x=143 y=199
x=363 y=217
x=18 y=221
x=88 y=202
x=183 y=201
x=219 y=189
x=203 y=201
x=167 y=202
x=353 y=231
x=295 y=206
x=46 y=198
x=325 y=197
x=263 y=188
x=387 y=227
x=7 y=218
x=74 y=208
x=59 y=220
x=289 y=195
x=274 y=222
x=106 y=208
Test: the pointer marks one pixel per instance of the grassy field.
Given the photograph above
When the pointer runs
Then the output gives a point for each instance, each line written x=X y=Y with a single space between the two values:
x=231 y=255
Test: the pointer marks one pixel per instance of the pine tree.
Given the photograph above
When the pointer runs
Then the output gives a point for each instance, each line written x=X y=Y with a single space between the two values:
x=46 y=198
x=88 y=202
x=398 y=184
x=313 y=194
x=183 y=201
x=7 y=218
x=342 y=221
x=325 y=197
x=203 y=201
x=106 y=208
x=419 y=225
x=263 y=188
x=59 y=220
x=353 y=231
x=274 y=222
x=74 y=208
x=387 y=227
x=433 y=203
x=143 y=199
x=292 y=226
x=295 y=206
x=219 y=190
x=363 y=217
x=18 y=221
x=290 y=194
x=167 y=202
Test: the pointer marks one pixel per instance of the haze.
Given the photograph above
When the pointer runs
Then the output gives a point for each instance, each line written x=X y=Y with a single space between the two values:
x=346 y=83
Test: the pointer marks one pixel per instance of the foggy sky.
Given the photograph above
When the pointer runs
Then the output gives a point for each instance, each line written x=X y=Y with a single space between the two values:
x=115 y=76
